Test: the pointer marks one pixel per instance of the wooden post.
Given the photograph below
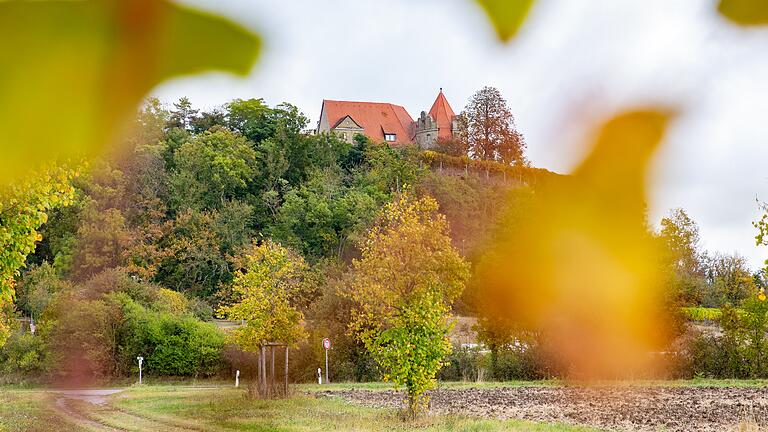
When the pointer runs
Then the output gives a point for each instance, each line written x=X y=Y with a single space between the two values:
x=258 y=375
x=272 y=370
x=263 y=376
x=286 y=370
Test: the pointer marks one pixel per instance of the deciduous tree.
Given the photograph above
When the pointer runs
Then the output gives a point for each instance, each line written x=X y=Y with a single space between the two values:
x=404 y=285
x=487 y=127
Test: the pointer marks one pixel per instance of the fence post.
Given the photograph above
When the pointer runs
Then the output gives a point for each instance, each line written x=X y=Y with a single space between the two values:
x=286 y=369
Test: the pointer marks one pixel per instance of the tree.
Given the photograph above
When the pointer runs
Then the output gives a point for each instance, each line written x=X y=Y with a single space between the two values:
x=252 y=118
x=24 y=208
x=267 y=290
x=196 y=247
x=320 y=216
x=487 y=128
x=403 y=286
x=684 y=262
x=183 y=115
x=212 y=168
x=730 y=279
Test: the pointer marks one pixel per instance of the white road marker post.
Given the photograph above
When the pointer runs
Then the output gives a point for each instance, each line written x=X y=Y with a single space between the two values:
x=237 y=378
x=141 y=360
x=319 y=376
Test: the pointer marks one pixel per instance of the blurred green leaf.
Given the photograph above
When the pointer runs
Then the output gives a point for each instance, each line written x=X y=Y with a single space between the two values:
x=745 y=12
x=72 y=72
x=506 y=15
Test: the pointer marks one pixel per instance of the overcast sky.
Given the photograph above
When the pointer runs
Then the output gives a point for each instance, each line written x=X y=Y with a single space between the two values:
x=573 y=63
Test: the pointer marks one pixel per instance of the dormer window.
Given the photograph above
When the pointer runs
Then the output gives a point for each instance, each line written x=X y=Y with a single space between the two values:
x=390 y=137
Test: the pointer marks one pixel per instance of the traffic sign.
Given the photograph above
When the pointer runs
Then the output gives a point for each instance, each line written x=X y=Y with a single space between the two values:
x=327 y=344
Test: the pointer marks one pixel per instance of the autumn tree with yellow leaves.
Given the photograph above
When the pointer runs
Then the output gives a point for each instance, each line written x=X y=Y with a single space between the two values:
x=403 y=288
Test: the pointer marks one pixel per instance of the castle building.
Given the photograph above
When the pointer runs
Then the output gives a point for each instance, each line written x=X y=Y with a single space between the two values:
x=388 y=122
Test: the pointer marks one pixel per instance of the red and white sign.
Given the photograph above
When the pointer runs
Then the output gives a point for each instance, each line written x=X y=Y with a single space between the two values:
x=327 y=344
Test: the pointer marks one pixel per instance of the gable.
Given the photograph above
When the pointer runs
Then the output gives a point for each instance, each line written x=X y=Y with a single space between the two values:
x=347 y=122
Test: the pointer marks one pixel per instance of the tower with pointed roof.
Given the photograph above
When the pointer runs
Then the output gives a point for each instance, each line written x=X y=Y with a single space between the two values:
x=438 y=124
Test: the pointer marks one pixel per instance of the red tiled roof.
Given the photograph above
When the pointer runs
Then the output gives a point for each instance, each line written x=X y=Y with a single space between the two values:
x=443 y=114
x=374 y=117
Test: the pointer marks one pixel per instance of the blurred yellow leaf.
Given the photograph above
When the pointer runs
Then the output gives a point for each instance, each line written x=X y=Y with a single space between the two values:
x=72 y=72
x=506 y=15
x=745 y=12
x=581 y=266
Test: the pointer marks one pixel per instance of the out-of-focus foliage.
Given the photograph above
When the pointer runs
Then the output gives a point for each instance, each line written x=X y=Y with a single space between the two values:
x=267 y=292
x=506 y=15
x=570 y=273
x=403 y=287
x=745 y=12
x=84 y=67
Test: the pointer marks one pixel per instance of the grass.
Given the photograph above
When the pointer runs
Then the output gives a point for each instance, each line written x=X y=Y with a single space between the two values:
x=230 y=410
x=171 y=407
x=22 y=410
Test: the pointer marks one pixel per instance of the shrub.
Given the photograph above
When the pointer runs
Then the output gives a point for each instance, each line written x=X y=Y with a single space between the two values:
x=175 y=345
x=23 y=354
x=464 y=364
x=702 y=313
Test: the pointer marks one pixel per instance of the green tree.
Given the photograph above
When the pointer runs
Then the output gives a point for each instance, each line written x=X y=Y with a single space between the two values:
x=210 y=169
x=319 y=217
x=404 y=285
x=251 y=117
x=487 y=128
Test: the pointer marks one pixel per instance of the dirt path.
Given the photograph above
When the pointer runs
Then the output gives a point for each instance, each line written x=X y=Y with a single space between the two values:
x=91 y=410
x=673 y=409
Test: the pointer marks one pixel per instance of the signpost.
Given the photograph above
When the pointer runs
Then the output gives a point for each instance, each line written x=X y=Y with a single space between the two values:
x=141 y=360
x=326 y=346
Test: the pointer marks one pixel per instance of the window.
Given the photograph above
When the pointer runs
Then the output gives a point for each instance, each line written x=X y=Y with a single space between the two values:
x=344 y=136
x=390 y=137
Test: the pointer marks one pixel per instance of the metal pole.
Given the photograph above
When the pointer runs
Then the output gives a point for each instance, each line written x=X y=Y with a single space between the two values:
x=326 y=367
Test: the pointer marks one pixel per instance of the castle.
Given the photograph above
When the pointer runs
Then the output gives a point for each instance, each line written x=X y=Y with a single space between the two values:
x=388 y=122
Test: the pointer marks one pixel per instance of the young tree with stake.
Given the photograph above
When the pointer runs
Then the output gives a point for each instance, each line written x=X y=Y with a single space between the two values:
x=404 y=284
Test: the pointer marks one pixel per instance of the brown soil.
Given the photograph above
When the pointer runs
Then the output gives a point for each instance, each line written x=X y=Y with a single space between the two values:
x=679 y=409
